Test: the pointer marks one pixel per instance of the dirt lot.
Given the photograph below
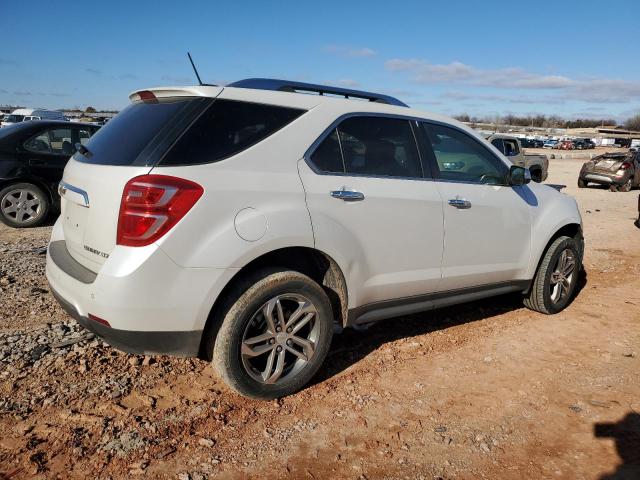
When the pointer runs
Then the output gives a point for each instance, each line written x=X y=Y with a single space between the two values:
x=485 y=390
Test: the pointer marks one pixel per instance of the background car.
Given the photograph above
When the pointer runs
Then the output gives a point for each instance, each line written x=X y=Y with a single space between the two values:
x=32 y=158
x=565 y=145
x=583 y=144
x=550 y=144
x=620 y=171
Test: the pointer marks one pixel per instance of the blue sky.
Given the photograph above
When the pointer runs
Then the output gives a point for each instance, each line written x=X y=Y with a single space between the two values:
x=482 y=58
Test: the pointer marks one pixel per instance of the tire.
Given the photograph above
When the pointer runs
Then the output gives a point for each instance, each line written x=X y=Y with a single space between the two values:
x=235 y=352
x=581 y=183
x=613 y=187
x=23 y=205
x=544 y=296
x=536 y=175
x=626 y=187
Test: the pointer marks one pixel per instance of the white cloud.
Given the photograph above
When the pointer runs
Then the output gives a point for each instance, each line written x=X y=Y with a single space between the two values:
x=351 y=52
x=590 y=90
x=422 y=71
x=345 y=82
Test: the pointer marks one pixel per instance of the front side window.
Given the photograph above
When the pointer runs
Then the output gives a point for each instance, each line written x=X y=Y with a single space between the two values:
x=225 y=129
x=56 y=141
x=459 y=157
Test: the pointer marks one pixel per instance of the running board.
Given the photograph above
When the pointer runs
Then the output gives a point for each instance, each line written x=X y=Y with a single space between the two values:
x=374 y=312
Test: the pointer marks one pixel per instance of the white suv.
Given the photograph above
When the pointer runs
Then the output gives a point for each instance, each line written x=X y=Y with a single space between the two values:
x=245 y=224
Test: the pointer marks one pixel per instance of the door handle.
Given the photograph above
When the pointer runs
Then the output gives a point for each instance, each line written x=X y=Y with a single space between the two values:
x=460 y=203
x=347 y=195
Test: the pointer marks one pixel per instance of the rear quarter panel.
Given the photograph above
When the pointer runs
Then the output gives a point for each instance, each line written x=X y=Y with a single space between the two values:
x=263 y=178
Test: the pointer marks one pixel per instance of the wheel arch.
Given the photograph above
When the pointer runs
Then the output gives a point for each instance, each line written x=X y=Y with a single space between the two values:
x=570 y=229
x=314 y=263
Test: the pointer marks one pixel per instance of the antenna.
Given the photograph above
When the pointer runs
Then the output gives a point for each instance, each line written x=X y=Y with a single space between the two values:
x=194 y=68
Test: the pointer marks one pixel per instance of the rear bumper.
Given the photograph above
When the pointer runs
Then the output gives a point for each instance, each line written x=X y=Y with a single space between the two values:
x=604 y=179
x=153 y=305
x=179 y=344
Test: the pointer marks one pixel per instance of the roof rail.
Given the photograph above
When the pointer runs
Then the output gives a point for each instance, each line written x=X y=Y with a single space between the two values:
x=289 y=86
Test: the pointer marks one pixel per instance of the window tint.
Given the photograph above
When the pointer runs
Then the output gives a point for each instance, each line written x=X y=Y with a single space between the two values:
x=379 y=146
x=510 y=147
x=85 y=135
x=57 y=141
x=139 y=126
x=226 y=128
x=497 y=142
x=462 y=158
x=327 y=157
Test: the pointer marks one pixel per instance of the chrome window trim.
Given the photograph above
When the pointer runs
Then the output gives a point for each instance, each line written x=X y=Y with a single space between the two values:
x=428 y=174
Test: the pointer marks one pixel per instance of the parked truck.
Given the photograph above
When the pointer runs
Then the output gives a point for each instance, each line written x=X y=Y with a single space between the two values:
x=511 y=148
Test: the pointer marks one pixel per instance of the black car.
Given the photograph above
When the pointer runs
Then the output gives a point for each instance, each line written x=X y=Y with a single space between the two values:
x=583 y=144
x=32 y=158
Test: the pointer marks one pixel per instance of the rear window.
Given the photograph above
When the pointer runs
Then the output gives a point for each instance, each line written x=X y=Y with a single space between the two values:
x=141 y=132
x=226 y=128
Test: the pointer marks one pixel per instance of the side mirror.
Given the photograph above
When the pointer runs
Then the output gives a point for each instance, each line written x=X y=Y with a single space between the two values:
x=519 y=175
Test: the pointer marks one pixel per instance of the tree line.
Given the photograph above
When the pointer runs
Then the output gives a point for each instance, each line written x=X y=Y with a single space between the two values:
x=541 y=121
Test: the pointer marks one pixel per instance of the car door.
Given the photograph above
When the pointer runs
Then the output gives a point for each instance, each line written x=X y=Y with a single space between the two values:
x=487 y=233
x=48 y=151
x=373 y=210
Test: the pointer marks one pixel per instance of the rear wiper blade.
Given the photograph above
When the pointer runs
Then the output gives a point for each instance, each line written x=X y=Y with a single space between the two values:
x=83 y=150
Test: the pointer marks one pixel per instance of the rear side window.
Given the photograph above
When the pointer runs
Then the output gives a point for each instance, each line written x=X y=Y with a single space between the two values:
x=327 y=157
x=379 y=146
x=137 y=134
x=226 y=128
x=57 y=141
x=376 y=146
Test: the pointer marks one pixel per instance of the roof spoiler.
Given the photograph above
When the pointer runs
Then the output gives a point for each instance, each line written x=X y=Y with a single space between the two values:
x=289 y=86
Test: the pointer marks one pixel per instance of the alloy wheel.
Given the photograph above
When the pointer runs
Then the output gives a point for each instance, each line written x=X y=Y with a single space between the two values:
x=280 y=338
x=562 y=276
x=21 y=205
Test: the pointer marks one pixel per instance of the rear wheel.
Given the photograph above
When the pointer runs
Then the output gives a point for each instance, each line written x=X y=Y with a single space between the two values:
x=626 y=187
x=23 y=205
x=555 y=281
x=613 y=187
x=275 y=336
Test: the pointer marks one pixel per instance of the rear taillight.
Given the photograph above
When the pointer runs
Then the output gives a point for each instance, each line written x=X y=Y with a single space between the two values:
x=151 y=205
x=625 y=166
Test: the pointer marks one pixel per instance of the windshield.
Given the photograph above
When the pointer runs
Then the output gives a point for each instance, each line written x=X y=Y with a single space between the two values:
x=13 y=118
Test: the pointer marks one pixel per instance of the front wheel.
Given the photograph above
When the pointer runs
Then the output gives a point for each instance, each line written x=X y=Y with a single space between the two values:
x=557 y=276
x=23 y=205
x=581 y=183
x=275 y=336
